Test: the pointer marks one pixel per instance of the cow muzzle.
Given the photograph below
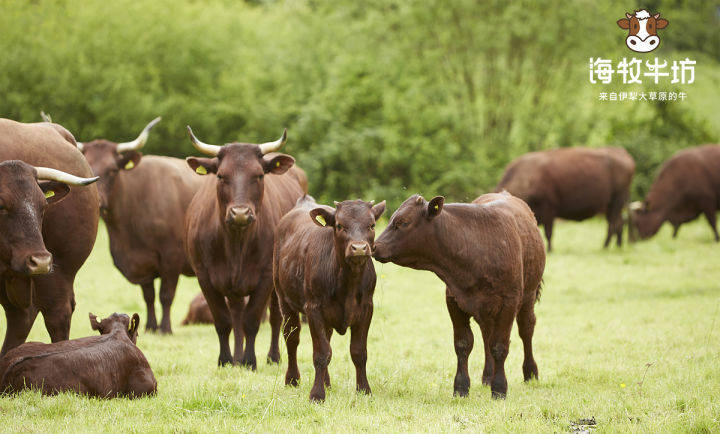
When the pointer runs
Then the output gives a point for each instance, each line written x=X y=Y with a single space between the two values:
x=38 y=263
x=358 y=252
x=240 y=216
x=642 y=46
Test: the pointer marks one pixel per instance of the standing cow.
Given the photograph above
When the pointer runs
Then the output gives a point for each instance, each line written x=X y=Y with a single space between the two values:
x=322 y=268
x=490 y=255
x=30 y=231
x=573 y=184
x=687 y=185
x=230 y=228
x=143 y=200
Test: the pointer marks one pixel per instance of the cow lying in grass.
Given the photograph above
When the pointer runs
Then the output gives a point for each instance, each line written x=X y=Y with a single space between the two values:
x=105 y=366
x=322 y=267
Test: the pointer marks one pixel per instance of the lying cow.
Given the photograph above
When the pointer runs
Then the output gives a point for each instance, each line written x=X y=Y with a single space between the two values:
x=687 y=185
x=105 y=366
x=199 y=311
x=322 y=267
x=490 y=255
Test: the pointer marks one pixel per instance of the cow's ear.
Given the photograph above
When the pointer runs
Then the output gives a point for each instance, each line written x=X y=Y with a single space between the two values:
x=378 y=210
x=661 y=23
x=94 y=323
x=278 y=164
x=323 y=216
x=435 y=206
x=54 y=191
x=203 y=166
x=624 y=23
x=128 y=160
x=132 y=329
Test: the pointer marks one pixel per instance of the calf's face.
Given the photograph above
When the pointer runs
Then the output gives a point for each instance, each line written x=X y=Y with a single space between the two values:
x=117 y=321
x=405 y=238
x=353 y=224
x=23 y=200
x=106 y=162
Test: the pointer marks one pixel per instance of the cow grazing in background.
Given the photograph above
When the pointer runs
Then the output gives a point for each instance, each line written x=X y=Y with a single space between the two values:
x=642 y=30
x=105 y=366
x=33 y=236
x=490 y=255
x=573 y=184
x=687 y=185
x=230 y=226
x=143 y=200
x=322 y=268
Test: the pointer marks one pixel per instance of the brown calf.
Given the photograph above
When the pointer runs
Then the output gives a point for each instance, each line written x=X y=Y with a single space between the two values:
x=491 y=257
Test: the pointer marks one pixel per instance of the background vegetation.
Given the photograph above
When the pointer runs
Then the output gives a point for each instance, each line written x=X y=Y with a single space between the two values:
x=381 y=98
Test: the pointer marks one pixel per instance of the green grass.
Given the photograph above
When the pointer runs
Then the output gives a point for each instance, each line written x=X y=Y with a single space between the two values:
x=629 y=337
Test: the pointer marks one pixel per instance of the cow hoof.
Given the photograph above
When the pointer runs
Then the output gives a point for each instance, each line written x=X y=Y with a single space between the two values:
x=225 y=362
x=461 y=393
x=317 y=398
x=166 y=331
x=498 y=395
x=292 y=381
x=273 y=359
x=365 y=390
x=251 y=365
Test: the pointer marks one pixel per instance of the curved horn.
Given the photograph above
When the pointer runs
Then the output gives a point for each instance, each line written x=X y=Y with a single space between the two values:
x=203 y=147
x=49 y=174
x=268 y=147
x=140 y=141
x=635 y=206
x=45 y=117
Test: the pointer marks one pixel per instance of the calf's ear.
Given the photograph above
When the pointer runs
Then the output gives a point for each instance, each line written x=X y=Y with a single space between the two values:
x=435 y=206
x=54 y=191
x=203 y=166
x=278 y=164
x=378 y=210
x=624 y=23
x=94 y=323
x=128 y=160
x=132 y=329
x=323 y=217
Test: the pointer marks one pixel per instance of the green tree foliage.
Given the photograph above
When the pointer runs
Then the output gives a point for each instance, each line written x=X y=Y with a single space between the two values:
x=381 y=98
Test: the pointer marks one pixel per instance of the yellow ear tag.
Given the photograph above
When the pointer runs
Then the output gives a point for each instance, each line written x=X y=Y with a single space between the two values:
x=129 y=165
x=49 y=194
x=201 y=170
x=436 y=208
x=277 y=164
x=321 y=220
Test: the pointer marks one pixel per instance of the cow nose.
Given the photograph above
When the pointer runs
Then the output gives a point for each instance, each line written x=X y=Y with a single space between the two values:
x=39 y=263
x=241 y=215
x=359 y=249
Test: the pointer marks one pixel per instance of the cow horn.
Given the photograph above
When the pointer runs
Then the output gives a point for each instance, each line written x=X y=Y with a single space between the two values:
x=635 y=206
x=45 y=117
x=268 y=147
x=140 y=141
x=203 y=147
x=80 y=146
x=46 y=173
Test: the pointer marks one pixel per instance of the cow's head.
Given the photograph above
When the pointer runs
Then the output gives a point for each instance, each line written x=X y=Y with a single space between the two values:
x=240 y=169
x=107 y=159
x=25 y=192
x=643 y=222
x=117 y=321
x=353 y=224
x=407 y=236
x=642 y=27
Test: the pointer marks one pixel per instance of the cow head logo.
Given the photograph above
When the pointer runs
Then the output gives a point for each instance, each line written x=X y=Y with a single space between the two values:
x=642 y=27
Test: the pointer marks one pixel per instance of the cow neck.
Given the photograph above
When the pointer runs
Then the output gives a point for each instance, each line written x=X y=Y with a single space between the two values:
x=117 y=202
x=441 y=258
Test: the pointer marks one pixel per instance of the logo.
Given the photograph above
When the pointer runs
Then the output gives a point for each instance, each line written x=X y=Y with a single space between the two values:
x=642 y=27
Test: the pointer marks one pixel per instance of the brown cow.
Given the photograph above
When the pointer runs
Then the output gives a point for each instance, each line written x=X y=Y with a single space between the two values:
x=573 y=184
x=324 y=270
x=105 y=366
x=642 y=30
x=687 y=185
x=490 y=255
x=230 y=228
x=143 y=200
x=199 y=311
x=69 y=229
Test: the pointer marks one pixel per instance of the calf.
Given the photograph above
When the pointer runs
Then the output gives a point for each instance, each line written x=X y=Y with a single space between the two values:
x=490 y=255
x=322 y=267
x=199 y=311
x=105 y=366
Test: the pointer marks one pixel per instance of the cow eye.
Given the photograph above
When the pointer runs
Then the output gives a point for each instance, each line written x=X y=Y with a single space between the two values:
x=372 y=226
x=261 y=176
x=340 y=227
x=219 y=176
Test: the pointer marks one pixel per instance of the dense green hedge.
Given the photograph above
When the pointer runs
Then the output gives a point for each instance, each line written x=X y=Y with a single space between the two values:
x=380 y=98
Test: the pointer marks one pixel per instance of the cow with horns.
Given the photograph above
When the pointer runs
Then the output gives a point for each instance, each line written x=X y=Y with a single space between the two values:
x=143 y=200
x=43 y=241
x=230 y=228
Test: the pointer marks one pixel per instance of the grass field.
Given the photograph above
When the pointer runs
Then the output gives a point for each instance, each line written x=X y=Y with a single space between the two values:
x=628 y=337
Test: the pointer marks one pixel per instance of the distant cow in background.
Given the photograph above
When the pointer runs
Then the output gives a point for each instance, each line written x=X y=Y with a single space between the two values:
x=105 y=366
x=687 y=185
x=199 y=311
x=573 y=184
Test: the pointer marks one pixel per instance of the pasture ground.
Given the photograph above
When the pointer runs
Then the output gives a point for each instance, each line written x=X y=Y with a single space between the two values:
x=628 y=337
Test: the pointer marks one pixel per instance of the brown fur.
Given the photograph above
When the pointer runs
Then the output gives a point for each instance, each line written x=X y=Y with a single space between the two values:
x=105 y=366
x=573 y=184
x=491 y=257
x=68 y=232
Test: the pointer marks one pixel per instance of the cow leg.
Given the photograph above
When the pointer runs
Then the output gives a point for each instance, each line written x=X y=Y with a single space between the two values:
x=148 y=290
x=358 y=350
x=275 y=325
x=251 y=322
x=326 y=376
x=526 y=328
x=499 y=347
x=168 y=285
x=711 y=217
x=676 y=229
x=548 y=225
x=237 y=310
x=221 y=318
x=291 y=333
x=322 y=353
x=54 y=297
x=463 y=338
x=489 y=369
x=19 y=321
